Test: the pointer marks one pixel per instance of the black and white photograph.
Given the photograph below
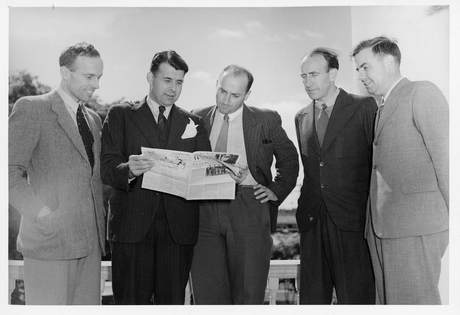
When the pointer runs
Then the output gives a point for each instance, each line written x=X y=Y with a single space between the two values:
x=341 y=114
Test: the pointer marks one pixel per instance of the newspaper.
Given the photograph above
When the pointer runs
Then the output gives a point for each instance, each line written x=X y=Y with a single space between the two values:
x=192 y=176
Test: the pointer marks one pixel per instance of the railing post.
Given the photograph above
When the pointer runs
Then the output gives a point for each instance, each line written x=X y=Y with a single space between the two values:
x=273 y=285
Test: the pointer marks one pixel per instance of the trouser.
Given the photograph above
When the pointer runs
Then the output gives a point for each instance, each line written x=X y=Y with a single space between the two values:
x=64 y=282
x=407 y=269
x=232 y=256
x=331 y=257
x=154 y=271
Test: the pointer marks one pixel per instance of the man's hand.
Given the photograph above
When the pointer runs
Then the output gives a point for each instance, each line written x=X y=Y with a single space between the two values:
x=240 y=175
x=264 y=194
x=44 y=212
x=139 y=164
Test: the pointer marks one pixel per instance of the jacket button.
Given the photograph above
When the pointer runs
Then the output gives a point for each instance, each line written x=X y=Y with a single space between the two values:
x=323 y=186
x=321 y=163
x=310 y=219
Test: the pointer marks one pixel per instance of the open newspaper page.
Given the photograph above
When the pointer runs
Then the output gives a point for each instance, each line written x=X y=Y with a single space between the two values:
x=210 y=178
x=193 y=176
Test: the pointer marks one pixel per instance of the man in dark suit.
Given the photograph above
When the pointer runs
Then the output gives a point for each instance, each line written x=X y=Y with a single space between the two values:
x=152 y=233
x=232 y=256
x=334 y=133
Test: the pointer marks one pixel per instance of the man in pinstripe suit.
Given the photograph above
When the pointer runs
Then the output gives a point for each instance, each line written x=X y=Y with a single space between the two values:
x=232 y=255
x=152 y=233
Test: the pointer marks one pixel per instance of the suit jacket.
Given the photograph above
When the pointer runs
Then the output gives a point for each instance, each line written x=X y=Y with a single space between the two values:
x=409 y=192
x=48 y=165
x=337 y=173
x=264 y=138
x=127 y=128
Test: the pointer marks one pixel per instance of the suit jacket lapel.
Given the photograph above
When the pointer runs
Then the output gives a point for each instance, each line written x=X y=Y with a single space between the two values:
x=251 y=133
x=342 y=112
x=390 y=105
x=68 y=125
x=143 y=118
x=307 y=132
x=177 y=123
x=208 y=119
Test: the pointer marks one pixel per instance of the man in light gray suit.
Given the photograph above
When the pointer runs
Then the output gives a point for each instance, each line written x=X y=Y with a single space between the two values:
x=407 y=220
x=54 y=183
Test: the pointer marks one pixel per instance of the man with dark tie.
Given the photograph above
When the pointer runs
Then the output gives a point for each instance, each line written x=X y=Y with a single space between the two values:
x=232 y=256
x=334 y=134
x=152 y=234
x=408 y=215
x=54 y=144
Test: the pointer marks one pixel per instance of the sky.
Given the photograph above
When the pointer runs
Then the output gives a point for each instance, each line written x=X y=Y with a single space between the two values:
x=270 y=42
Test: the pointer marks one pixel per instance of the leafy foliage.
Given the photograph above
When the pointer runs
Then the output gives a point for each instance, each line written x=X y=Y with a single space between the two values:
x=22 y=84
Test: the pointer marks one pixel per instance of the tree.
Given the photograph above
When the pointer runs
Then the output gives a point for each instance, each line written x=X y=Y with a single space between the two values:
x=23 y=83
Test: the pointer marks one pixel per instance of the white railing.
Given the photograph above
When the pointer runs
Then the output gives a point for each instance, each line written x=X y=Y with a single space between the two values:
x=279 y=270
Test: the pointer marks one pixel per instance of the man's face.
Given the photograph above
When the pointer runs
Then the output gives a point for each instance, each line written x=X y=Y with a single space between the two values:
x=165 y=84
x=231 y=92
x=318 y=81
x=372 y=71
x=82 y=78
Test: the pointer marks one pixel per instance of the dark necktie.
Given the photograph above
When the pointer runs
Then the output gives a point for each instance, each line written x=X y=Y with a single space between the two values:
x=221 y=143
x=321 y=124
x=85 y=134
x=162 y=128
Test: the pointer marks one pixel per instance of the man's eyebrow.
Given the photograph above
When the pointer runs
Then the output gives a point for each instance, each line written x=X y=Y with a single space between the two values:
x=361 y=65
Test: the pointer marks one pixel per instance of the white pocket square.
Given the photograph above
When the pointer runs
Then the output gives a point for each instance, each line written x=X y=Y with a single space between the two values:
x=190 y=130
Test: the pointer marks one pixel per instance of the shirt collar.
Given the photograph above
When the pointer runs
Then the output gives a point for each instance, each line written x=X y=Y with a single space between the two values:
x=233 y=115
x=330 y=102
x=155 y=108
x=391 y=89
x=69 y=101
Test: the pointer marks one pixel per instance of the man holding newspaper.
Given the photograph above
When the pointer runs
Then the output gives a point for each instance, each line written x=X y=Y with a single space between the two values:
x=232 y=256
x=152 y=234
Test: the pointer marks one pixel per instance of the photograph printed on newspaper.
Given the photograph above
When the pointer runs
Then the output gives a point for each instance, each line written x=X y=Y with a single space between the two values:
x=191 y=175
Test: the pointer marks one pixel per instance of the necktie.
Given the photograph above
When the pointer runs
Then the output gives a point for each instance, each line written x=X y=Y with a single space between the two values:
x=321 y=124
x=379 y=114
x=162 y=128
x=85 y=134
x=221 y=144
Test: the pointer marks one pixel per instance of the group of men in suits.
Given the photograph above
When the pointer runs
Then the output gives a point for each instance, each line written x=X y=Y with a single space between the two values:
x=376 y=174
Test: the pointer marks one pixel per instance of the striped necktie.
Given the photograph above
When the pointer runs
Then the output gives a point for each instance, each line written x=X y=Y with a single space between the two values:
x=162 y=127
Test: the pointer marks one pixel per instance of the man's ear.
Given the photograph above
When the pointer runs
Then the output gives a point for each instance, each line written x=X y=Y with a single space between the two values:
x=247 y=95
x=333 y=74
x=389 y=62
x=149 y=77
x=65 y=72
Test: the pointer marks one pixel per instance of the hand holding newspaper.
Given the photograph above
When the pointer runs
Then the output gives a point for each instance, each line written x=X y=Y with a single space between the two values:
x=193 y=176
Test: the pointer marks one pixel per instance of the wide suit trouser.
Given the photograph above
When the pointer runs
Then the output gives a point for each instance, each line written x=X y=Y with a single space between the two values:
x=407 y=270
x=65 y=281
x=331 y=257
x=153 y=271
x=232 y=256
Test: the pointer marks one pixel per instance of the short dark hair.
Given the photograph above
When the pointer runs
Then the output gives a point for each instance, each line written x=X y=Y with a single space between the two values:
x=380 y=45
x=68 y=56
x=171 y=57
x=330 y=55
x=238 y=70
